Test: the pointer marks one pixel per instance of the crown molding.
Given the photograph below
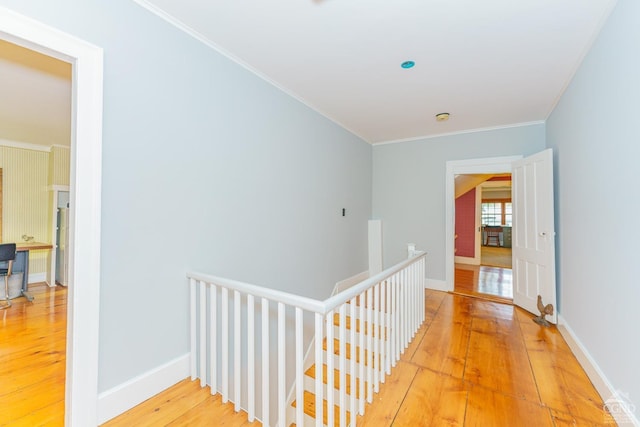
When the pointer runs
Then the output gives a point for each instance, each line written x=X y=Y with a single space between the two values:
x=207 y=42
x=462 y=132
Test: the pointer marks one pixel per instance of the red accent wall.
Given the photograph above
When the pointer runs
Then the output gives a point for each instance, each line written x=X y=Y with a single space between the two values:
x=466 y=224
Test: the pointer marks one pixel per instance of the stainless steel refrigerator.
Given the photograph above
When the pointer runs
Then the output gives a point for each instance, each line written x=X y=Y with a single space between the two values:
x=62 y=244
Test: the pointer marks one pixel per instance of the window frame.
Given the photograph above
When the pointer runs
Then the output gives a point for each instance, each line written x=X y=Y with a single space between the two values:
x=503 y=202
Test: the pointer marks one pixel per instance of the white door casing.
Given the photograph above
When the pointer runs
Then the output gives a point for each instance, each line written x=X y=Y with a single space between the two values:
x=534 y=233
x=81 y=387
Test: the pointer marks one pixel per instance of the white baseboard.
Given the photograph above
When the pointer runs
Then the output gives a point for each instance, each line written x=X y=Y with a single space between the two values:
x=624 y=415
x=125 y=396
x=466 y=260
x=436 y=284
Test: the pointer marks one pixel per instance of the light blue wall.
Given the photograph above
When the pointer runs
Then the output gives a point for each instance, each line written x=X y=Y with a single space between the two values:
x=595 y=133
x=205 y=167
x=409 y=186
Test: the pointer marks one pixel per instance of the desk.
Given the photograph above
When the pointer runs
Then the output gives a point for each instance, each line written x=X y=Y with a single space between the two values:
x=503 y=233
x=21 y=263
x=491 y=233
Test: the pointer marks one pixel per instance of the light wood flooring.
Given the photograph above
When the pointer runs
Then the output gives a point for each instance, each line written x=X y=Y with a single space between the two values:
x=32 y=359
x=472 y=363
x=492 y=283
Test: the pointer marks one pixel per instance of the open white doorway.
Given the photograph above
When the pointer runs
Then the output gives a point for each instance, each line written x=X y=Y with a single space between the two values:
x=483 y=219
x=495 y=212
x=85 y=190
x=483 y=222
x=488 y=166
x=533 y=237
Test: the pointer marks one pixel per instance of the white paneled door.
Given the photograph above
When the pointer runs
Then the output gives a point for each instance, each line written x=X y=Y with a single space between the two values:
x=534 y=233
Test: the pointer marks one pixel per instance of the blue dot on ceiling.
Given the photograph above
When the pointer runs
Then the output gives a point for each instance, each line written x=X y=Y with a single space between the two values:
x=407 y=64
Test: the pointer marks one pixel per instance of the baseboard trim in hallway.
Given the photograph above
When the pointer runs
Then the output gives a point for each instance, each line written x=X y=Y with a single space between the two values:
x=473 y=362
x=595 y=374
x=127 y=395
x=436 y=285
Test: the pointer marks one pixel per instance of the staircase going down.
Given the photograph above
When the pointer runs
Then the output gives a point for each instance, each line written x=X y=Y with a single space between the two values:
x=290 y=360
x=367 y=361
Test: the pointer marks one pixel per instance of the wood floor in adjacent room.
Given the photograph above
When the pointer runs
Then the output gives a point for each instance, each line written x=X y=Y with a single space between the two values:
x=32 y=358
x=472 y=363
x=480 y=281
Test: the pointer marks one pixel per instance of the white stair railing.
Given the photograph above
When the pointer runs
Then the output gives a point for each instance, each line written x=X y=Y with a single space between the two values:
x=384 y=313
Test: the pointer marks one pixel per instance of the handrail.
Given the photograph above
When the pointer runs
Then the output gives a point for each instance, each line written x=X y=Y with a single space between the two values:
x=349 y=293
x=310 y=304
x=239 y=344
x=259 y=291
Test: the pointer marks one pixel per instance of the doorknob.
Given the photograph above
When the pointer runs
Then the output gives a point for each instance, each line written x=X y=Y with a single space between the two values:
x=542 y=234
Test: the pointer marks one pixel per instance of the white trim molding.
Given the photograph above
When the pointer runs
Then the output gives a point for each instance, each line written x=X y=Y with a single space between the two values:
x=83 y=308
x=459 y=132
x=467 y=260
x=123 y=397
x=24 y=145
x=57 y=187
x=435 y=284
x=152 y=8
x=625 y=415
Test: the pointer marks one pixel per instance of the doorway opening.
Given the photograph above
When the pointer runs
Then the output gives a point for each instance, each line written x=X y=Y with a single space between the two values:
x=84 y=217
x=472 y=173
x=533 y=276
x=483 y=221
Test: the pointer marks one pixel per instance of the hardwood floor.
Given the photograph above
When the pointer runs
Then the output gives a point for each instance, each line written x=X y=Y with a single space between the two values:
x=32 y=359
x=185 y=404
x=493 y=283
x=472 y=363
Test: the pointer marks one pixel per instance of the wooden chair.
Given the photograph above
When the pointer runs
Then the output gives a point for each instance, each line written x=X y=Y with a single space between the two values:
x=492 y=235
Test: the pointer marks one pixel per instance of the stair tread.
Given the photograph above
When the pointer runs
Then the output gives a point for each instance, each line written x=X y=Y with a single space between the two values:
x=336 y=351
x=336 y=322
x=310 y=408
x=311 y=372
x=310 y=398
x=383 y=330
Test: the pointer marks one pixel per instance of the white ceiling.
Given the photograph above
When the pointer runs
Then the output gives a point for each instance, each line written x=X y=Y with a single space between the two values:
x=489 y=63
x=35 y=97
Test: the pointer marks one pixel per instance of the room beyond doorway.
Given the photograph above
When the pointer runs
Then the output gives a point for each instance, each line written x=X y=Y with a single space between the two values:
x=81 y=386
x=495 y=256
x=483 y=235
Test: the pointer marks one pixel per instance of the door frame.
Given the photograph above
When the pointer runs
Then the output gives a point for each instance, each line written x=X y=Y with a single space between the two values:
x=83 y=303
x=458 y=167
